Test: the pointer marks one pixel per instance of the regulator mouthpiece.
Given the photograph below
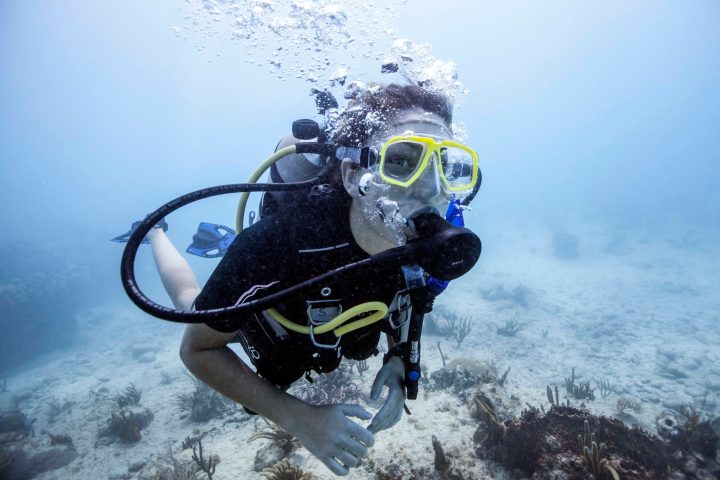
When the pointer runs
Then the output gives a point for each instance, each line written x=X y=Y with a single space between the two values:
x=445 y=251
x=305 y=129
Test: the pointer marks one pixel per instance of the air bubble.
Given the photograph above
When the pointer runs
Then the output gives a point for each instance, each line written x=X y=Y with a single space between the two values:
x=313 y=40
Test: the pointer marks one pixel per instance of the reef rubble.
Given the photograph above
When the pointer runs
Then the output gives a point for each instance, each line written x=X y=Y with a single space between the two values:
x=549 y=446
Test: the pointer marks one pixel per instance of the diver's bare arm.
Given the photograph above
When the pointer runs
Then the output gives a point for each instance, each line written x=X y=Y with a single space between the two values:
x=326 y=431
x=176 y=275
x=206 y=354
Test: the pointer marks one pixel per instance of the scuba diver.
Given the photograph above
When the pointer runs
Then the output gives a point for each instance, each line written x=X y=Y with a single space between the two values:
x=395 y=178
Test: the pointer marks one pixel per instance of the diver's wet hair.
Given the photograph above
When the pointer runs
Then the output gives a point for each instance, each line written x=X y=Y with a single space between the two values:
x=369 y=111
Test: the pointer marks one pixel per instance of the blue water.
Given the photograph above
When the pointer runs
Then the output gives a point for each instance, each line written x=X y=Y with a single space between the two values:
x=594 y=119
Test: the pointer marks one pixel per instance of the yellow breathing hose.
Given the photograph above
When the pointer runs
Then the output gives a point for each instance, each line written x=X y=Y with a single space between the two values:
x=240 y=215
x=380 y=309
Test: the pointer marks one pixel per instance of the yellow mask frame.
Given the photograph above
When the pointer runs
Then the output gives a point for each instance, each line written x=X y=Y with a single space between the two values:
x=430 y=146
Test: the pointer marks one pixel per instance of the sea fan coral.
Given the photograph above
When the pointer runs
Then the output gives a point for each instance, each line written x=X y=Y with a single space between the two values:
x=279 y=437
x=126 y=425
x=284 y=470
x=130 y=396
x=203 y=404
x=171 y=468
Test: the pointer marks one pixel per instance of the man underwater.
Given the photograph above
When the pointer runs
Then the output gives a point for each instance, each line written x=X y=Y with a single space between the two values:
x=398 y=173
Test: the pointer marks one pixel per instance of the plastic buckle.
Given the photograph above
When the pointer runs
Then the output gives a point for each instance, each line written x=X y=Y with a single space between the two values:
x=320 y=312
x=366 y=157
x=414 y=276
x=322 y=345
x=402 y=315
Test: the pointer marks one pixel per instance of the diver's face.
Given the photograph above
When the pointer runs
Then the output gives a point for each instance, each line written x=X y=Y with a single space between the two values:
x=388 y=208
x=426 y=193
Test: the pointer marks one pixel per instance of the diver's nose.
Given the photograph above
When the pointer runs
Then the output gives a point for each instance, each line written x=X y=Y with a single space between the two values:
x=428 y=185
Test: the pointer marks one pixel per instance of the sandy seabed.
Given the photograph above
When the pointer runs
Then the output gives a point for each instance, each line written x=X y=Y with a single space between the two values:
x=639 y=309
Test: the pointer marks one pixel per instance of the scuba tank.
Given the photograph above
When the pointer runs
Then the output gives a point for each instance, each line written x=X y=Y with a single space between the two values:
x=294 y=168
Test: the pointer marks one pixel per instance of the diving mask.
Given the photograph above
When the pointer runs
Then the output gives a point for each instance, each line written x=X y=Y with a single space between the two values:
x=404 y=158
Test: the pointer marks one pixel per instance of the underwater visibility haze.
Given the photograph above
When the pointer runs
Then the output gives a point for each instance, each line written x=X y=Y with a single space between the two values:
x=594 y=307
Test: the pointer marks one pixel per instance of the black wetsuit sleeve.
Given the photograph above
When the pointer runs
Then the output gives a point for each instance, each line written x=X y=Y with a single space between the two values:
x=252 y=268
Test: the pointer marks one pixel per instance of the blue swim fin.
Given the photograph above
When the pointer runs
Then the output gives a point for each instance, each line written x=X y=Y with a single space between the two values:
x=211 y=240
x=126 y=236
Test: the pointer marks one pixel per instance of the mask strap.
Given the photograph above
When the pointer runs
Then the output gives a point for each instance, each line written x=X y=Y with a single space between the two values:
x=366 y=157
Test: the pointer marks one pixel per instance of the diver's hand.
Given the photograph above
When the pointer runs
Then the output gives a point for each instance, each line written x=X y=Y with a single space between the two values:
x=338 y=442
x=390 y=375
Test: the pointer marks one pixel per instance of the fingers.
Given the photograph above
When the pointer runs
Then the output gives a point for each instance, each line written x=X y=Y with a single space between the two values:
x=335 y=439
x=348 y=459
x=378 y=384
x=390 y=374
x=362 y=435
x=353 y=443
x=396 y=418
x=355 y=447
x=384 y=420
x=355 y=411
x=342 y=462
x=390 y=413
x=336 y=467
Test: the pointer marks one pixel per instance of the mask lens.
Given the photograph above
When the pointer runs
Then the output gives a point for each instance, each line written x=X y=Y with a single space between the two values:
x=402 y=159
x=457 y=166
